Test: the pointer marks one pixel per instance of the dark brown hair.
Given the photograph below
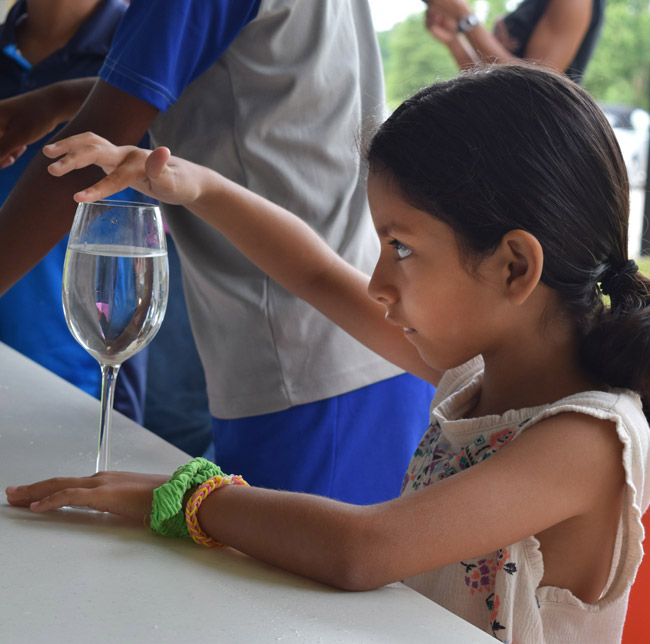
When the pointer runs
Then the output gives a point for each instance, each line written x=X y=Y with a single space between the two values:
x=518 y=147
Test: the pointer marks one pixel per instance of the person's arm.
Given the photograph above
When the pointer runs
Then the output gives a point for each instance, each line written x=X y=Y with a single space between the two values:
x=28 y=117
x=557 y=36
x=40 y=208
x=532 y=484
x=445 y=29
x=481 y=45
x=277 y=241
x=553 y=43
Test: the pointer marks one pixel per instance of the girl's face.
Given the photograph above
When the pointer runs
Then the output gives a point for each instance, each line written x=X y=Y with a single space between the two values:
x=445 y=311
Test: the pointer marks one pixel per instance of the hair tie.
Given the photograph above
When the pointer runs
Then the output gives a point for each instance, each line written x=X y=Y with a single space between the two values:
x=613 y=278
x=167 y=512
x=195 y=501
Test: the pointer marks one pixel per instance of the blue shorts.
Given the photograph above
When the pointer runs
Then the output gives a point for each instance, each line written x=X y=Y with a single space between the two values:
x=354 y=447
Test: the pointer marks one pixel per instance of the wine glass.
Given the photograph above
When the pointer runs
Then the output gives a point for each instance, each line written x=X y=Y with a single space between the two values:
x=115 y=287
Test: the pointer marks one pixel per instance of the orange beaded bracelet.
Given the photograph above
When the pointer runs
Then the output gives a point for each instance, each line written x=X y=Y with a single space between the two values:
x=195 y=501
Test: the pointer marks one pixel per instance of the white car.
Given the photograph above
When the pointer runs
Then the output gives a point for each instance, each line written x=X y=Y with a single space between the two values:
x=631 y=126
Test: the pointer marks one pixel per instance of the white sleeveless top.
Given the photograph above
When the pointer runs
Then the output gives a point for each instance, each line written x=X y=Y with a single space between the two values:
x=499 y=592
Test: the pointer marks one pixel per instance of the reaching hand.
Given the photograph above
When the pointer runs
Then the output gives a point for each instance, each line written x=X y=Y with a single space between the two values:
x=156 y=173
x=122 y=493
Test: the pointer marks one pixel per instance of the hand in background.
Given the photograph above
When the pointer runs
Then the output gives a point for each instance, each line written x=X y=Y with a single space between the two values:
x=24 y=119
x=454 y=9
x=441 y=26
x=122 y=493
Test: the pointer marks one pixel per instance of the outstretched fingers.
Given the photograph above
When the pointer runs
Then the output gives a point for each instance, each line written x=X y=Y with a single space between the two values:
x=82 y=150
x=123 y=165
x=123 y=493
x=129 y=174
x=32 y=495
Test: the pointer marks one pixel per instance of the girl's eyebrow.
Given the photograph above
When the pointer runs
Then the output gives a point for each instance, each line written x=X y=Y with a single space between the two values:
x=393 y=229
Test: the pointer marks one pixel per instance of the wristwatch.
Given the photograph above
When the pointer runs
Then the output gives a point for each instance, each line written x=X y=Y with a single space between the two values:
x=467 y=23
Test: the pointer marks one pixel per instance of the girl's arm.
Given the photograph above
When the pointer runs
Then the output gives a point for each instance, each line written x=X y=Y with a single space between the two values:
x=531 y=485
x=280 y=243
x=553 y=43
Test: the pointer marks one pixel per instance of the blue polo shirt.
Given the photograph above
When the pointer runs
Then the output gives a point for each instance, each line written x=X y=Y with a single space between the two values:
x=162 y=46
x=31 y=314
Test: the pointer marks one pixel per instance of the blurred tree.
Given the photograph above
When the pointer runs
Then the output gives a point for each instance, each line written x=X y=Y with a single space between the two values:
x=412 y=59
x=620 y=69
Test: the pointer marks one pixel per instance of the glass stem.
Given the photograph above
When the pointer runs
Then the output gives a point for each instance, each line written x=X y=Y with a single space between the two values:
x=109 y=374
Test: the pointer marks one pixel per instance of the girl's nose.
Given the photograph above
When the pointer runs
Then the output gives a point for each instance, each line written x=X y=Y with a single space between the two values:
x=380 y=289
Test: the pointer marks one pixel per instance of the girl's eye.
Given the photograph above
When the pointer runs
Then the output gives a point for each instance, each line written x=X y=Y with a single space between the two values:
x=402 y=251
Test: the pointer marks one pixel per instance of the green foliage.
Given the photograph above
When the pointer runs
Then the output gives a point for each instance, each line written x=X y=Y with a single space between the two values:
x=412 y=59
x=619 y=72
x=620 y=69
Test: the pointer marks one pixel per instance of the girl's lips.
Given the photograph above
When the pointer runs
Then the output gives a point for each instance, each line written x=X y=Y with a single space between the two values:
x=408 y=331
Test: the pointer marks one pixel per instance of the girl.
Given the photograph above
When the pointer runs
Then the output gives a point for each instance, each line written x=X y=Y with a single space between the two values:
x=557 y=33
x=500 y=199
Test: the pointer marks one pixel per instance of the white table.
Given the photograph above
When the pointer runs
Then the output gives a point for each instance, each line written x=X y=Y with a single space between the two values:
x=73 y=576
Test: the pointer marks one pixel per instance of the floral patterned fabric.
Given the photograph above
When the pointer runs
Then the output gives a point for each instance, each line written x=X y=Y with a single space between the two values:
x=500 y=592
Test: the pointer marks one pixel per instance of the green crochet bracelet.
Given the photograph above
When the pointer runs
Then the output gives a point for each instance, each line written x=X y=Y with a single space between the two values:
x=167 y=511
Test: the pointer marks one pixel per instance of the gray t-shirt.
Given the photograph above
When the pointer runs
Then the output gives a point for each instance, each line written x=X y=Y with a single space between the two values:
x=280 y=113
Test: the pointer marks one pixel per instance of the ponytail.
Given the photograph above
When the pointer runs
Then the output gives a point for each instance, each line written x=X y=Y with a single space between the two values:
x=617 y=347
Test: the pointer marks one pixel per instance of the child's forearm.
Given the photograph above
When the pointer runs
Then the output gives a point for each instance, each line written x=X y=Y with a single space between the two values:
x=295 y=256
x=277 y=241
x=325 y=540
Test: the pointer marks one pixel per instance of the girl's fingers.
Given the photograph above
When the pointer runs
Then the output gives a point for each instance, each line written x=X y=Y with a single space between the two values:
x=129 y=173
x=75 y=142
x=156 y=162
x=123 y=493
x=23 y=495
x=82 y=157
x=82 y=150
x=79 y=497
x=125 y=166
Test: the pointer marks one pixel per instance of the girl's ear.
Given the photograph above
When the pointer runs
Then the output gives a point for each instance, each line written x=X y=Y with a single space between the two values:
x=521 y=260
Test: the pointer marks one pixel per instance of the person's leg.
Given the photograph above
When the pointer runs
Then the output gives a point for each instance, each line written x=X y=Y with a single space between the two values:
x=354 y=447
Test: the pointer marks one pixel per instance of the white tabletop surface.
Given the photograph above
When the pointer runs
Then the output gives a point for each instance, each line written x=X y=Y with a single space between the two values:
x=74 y=576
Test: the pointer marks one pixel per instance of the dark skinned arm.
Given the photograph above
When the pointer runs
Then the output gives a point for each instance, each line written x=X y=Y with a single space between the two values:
x=39 y=211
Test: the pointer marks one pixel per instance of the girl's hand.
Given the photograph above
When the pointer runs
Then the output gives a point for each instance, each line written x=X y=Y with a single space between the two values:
x=156 y=173
x=122 y=493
